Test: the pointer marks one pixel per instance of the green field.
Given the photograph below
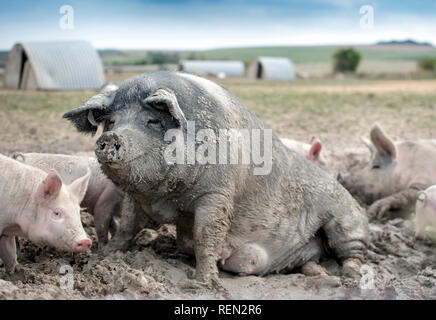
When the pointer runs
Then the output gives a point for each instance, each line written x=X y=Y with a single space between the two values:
x=314 y=60
x=304 y=54
x=298 y=54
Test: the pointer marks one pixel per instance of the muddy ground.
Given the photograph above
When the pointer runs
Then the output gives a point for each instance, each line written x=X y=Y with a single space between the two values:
x=397 y=267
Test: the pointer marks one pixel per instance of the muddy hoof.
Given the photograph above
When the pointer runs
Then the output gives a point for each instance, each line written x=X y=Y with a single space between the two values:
x=324 y=281
x=17 y=274
x=313 y=269
x=351 y=269
x=193 y=285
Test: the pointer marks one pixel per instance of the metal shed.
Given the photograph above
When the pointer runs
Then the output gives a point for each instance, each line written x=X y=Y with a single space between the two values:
x=54 y=66
x=213 y=67
x=272 y=68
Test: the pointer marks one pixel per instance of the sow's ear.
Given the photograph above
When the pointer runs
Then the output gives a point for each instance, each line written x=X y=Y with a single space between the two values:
x=84 y=117
x=49 y=188
x=164 y=99
x=384 y=145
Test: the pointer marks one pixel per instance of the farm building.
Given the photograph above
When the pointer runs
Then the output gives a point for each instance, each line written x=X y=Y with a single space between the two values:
x=213 y=68
x=272 y=68
x=54 y=66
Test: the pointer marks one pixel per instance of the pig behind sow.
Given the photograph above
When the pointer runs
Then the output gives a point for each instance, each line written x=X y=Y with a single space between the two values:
x=397 y=171
x=311 y=151
x=221 y=208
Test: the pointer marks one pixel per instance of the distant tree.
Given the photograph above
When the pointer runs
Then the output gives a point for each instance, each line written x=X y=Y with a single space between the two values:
x=346 y=60
x=192 y=56
x=427 y=64
x=247 y=62
x=140 y=61
x=163 y=57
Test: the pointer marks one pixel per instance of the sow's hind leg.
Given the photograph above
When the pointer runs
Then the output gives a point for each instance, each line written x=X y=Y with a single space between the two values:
x=348 y=236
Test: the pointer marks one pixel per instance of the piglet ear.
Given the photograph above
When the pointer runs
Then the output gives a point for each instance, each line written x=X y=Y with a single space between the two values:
x=78 y=187
x=49 y=188
x=315 y=148
x=382 y=142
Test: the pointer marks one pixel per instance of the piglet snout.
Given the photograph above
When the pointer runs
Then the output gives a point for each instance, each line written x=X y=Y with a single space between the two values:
x=82 y=245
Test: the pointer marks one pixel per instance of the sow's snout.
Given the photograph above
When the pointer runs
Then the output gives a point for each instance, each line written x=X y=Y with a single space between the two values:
x=110 y=148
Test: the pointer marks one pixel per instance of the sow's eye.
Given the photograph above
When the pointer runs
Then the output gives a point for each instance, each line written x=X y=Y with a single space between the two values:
x=154 y=123
x=57 y=214
x=110 y=124
x=376 y=166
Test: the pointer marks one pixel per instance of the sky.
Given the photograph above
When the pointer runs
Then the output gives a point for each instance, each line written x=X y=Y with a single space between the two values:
x=193 y=24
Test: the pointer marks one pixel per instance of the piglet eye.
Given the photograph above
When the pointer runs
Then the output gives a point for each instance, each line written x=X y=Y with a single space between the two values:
x=57 y=214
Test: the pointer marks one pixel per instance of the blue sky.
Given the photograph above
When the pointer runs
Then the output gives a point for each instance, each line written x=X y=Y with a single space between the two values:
x=186 y=24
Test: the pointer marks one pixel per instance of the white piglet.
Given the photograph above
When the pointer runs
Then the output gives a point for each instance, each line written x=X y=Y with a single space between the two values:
x=38 y=206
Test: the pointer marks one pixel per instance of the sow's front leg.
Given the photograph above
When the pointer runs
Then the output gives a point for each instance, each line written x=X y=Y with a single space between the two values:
x=8 y=253
x=211 y=225
x=400 y=200
x=348 y=235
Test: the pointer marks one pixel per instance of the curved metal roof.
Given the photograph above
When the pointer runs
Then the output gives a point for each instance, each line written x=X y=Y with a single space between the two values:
x=277 y=68
x=61 y=65
x=214 y=67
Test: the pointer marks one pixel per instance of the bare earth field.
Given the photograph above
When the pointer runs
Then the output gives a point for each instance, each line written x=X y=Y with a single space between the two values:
x=337 y=111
